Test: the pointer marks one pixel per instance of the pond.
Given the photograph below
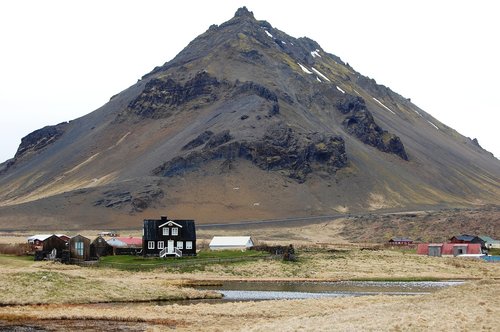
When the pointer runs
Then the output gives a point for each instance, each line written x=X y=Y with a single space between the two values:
x=246 y=291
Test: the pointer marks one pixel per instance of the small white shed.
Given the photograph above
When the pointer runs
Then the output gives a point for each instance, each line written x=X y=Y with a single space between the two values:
x=231 y=243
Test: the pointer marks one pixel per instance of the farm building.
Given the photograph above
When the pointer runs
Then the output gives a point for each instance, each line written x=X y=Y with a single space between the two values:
x=464 y=238
x=400 y=241
x=36 y=241
x=448 y=249
x=231 y=243
x=125 y=245
x=99 y=247
x=79 y=248
x=52 y=245
x=169 y=237
x=489 y=242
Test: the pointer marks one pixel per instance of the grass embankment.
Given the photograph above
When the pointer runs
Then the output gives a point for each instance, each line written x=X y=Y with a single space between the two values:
x=27 y=282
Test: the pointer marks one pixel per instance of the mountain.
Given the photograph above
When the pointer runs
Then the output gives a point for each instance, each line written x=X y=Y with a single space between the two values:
x=245 y=123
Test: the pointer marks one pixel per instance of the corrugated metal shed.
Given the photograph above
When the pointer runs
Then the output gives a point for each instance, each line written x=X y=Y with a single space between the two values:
x=474 y=248
x=448 y=249
x=423 y=249
x=231 y=242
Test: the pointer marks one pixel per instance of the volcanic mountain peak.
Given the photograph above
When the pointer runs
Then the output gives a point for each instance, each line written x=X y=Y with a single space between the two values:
x=245 y=106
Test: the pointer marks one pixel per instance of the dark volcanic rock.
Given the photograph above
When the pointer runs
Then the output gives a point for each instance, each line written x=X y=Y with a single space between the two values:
x=159 y=96
x=280 y=149
x=253 y=55
x=198 y=141
x=39 y=139
x=218 y=139
x=351 y=104
x=136 y=201
x=261 y=91
x=360 y=123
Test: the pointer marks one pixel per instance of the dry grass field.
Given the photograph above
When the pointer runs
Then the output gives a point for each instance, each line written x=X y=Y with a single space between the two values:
x=437 y=312
x=66 y=296
x=53 y=296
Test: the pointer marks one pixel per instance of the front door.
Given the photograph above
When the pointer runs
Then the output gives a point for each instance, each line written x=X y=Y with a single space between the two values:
x=170 y=246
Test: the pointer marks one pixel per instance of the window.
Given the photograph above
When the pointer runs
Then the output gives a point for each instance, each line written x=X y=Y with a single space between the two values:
x=161 y=245
x=151 y=244
x=165 y=231
x=79 y=248
x=180 y=245
x=175 y=231
x=189 y=245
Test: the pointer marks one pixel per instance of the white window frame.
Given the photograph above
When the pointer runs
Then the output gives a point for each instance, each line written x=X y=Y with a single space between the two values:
x=151 y=244
x=165 y=231
x=161 y=245
x=189 y=245
x=175 y=231
x=180 y=245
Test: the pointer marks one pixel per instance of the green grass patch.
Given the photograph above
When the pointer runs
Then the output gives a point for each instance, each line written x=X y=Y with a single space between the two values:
x=494 y=251
x=184 y=264
x=229 y=254
x=404 y=250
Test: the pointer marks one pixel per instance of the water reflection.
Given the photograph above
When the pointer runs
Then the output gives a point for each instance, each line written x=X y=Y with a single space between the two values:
x=237 y=291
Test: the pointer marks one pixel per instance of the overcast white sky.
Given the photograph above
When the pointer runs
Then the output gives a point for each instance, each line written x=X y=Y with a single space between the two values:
x=60 y=60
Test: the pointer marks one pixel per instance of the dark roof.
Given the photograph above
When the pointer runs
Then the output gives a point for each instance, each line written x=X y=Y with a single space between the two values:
x=400 y=239
x=152 y=225
x=79 y=237
x=465 y=237
x=487 y=239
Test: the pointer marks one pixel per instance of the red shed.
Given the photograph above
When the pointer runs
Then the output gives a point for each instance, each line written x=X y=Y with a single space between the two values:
x=448 y=249
x=423 y=249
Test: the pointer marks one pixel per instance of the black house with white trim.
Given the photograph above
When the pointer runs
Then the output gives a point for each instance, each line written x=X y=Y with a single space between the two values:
x=168 y=237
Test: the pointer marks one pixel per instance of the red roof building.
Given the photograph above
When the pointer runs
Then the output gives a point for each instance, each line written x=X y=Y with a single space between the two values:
x=131 y=242
x=448 y=249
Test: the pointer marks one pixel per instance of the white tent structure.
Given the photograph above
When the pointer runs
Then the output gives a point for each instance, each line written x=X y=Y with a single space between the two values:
x=231 y=243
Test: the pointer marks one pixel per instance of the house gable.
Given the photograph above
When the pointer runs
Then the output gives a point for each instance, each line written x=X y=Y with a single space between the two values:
x=170 y=223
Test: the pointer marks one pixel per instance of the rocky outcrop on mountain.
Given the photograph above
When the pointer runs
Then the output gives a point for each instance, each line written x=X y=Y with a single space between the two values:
x=280 y=149
x=218 y=139
x=283 y=149
x=135 y=201
x=198 y=141
x=360 y=123
x=160 y=96
x=39 y=139
x=261 y=91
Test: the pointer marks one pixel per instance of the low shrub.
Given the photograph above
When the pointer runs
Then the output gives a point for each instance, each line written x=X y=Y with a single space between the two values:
x=17 y=249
